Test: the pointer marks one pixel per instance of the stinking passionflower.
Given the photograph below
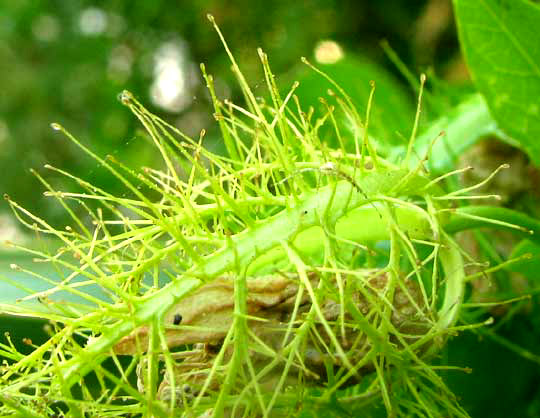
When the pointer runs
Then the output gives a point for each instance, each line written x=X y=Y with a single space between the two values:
x=285 y=276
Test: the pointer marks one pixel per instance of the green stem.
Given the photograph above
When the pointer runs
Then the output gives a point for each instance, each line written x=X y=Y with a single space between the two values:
x=452 y=264
x=471 y=217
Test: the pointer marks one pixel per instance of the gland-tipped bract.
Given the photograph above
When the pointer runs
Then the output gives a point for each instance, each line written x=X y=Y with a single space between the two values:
x=283 y=273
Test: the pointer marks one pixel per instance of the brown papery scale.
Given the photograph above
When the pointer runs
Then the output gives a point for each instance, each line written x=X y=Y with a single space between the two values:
x=204 y=318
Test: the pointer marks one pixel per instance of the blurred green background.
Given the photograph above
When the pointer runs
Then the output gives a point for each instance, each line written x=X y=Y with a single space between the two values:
x=66 y=62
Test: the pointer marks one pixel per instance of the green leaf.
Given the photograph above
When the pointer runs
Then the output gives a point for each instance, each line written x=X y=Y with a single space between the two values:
x=500 y=384
x=16 y=283
x=530 y=267
x=501 y=43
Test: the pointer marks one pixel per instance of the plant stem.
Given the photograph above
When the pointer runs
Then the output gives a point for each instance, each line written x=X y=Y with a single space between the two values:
x=470 y=217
